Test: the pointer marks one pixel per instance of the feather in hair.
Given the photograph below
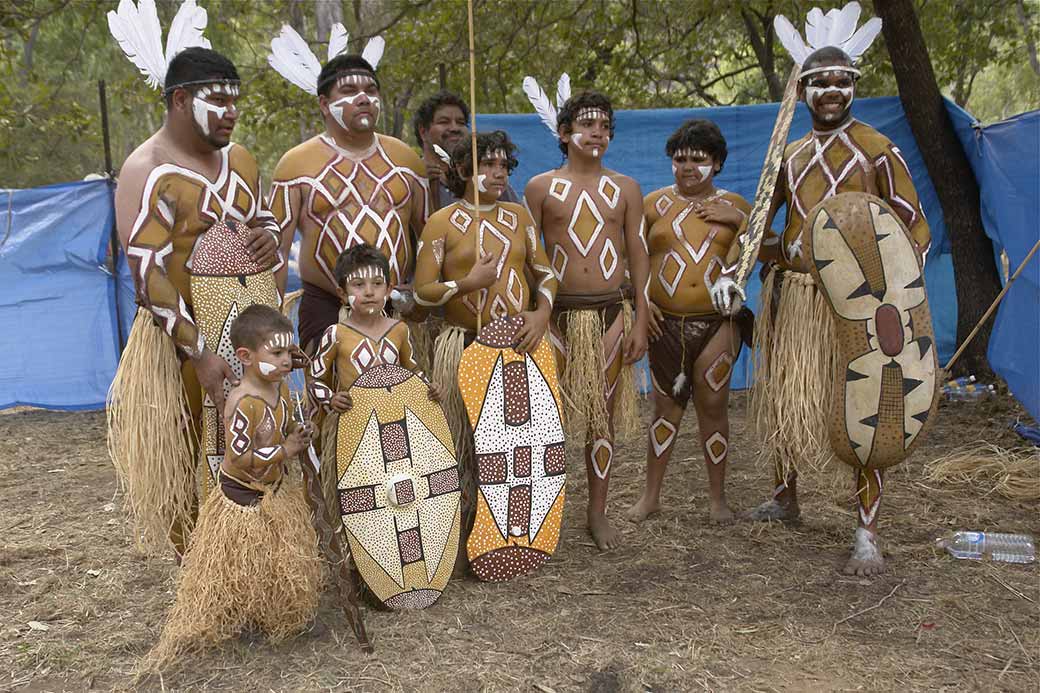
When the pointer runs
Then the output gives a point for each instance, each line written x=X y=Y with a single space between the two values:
x=136 y=29
x=843 y=24
x=186 y=30
x=563 y=90
x=861 y=40
x=542 y=106
x=338 y=38
x=791 y=39
x=373 y=52
x=292 y=58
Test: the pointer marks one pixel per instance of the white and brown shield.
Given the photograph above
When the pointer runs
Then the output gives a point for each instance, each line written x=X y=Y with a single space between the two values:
x=864 y=262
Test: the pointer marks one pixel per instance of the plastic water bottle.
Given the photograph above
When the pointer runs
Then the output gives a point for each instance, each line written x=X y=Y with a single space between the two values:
x=995 y=546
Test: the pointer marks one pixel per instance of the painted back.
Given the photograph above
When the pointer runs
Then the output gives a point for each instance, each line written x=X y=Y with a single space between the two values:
x=224 y=281
x=398 y=487
x=864 y=262
x=513 y=404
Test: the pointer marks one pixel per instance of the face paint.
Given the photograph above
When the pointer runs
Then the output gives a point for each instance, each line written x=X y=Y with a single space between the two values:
x=480 y=182
x=336 y=107
x=266 y=368
x=591 y=114
x=705 y=171
x=200 y=108
x=813 y=93
x=279 y=340
x=350 y=301
x=366 y=272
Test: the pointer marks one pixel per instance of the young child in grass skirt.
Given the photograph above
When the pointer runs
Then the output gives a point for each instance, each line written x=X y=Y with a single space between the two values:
x=253 y=558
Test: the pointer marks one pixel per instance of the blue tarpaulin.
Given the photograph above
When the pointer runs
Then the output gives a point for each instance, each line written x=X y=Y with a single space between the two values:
x=59 y=305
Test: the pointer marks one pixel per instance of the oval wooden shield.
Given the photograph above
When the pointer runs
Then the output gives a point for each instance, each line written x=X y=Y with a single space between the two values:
x=398 y=487
x=513 y=404
x=864 y=262
x=224 y=281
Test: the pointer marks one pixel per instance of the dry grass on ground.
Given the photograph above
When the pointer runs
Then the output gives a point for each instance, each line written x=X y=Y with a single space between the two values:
x=683 y=605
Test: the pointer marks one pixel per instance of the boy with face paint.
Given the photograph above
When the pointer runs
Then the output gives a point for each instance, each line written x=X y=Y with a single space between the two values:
x=794 y=333
x=693 y=225
x=345 y=187
x=172 y=188
x=362 y=337
x=253 y=558
x=592 y=221
x=494 y=283
x=440 y=123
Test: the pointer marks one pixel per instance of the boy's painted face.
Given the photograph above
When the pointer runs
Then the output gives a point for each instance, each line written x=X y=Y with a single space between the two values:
x=589 y=132
x=492 y=177
x=691 y=168
x=365 y=290
x=272 y=360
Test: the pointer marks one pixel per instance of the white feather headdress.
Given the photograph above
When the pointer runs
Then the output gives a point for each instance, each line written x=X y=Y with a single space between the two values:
x=293 y=59
x=136 y=28
x=836 y=28
x=542 y=105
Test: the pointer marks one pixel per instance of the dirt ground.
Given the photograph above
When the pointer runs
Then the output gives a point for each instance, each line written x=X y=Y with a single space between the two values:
x=681 y=606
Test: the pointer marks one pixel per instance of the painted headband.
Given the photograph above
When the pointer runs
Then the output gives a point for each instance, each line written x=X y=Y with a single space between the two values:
x=351 y=75
x=829 y=68
x=229 y=83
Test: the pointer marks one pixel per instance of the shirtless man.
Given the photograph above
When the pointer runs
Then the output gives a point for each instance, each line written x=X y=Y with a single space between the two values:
x=182 y=180
x=346 y=186
x=592 y=222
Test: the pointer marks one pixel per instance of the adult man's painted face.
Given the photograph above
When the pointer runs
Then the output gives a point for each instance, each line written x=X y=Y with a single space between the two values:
x=829 y=95
x=354 y=102
x=215 y=112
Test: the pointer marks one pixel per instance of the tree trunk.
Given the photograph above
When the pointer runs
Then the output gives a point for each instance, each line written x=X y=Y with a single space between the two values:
x=326 y=13
x=975 y=271
x=1034 y=62
x=762 y=44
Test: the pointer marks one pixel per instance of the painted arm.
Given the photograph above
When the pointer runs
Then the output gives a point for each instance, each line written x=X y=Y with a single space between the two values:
x=897 y=188
x=321 y=374
x=545 y=284
x=407 y=352
x=430 y=290
x=638 y=256
x=149 y=214
x=285 y=204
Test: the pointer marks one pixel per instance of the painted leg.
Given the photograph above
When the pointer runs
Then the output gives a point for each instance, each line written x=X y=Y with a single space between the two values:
x=783 y=506
x=660 y=440
x=713 y=367
x=866 y=559
x=599 y=454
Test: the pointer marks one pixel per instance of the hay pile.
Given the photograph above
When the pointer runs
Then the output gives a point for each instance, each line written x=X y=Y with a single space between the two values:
x=1013 y=473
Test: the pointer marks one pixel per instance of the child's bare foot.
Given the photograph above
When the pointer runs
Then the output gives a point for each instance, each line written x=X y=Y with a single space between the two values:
x=773 y=510
x=642 y=510
x=720 y=513
x=605 y=536
x=866 y=559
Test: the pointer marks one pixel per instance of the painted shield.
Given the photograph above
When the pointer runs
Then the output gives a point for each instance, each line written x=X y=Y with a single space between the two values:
x=513 y=404
x=398 y=487
x=864 y=262
x=224 y=281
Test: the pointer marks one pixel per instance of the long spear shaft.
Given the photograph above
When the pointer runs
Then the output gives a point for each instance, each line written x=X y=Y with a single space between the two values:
x=473 y=145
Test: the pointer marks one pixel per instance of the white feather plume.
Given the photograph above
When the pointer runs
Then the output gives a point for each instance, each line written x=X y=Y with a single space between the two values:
x=835 y=28
x=136 y=29
x=563 y=90
x=186 y=29
x=338 y=38
x=791 y=39
x=542 y=106
x=292 y=58
x=373 y=52
x=864 y=36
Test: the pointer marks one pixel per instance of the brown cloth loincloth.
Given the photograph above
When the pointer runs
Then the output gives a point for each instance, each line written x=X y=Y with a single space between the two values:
x=608 y=305
x=318 y=310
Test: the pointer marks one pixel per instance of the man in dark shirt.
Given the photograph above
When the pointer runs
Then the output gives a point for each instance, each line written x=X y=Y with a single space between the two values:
x=443 y=120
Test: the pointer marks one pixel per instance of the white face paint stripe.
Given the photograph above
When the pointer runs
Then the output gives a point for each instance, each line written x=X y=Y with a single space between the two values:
x=279 y=340
x=590 y=113
x=366 y=272
x=266 y=368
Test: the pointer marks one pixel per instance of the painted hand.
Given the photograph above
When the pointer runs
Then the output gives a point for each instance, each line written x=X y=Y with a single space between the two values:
x=726 y=295
x=484 y=272
x=263 y=247
x=212 y=371
x=635 y=344
x=298 y=440
x=299 y=359
x=654 y=321
x=531 y=331
x=341 y=402
x=718 y=212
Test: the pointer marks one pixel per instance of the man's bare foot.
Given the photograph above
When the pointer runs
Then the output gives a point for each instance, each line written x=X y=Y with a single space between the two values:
x=866 y=559
x=642 y=510
x=720 y=513
x=773 y=510
x=605 y=536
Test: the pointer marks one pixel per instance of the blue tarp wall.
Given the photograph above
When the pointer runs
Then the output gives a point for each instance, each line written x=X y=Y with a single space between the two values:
x=59 y=303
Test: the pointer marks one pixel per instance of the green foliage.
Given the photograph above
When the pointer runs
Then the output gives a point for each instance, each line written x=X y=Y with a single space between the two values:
x=644 y=53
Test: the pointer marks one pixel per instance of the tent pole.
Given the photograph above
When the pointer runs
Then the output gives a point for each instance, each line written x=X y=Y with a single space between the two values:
x=113 y=239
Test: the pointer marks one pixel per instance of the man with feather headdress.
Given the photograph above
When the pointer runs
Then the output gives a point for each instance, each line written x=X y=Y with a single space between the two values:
x=185 y=178
x=795 y=334
x=347 y=185
x=592 y=221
